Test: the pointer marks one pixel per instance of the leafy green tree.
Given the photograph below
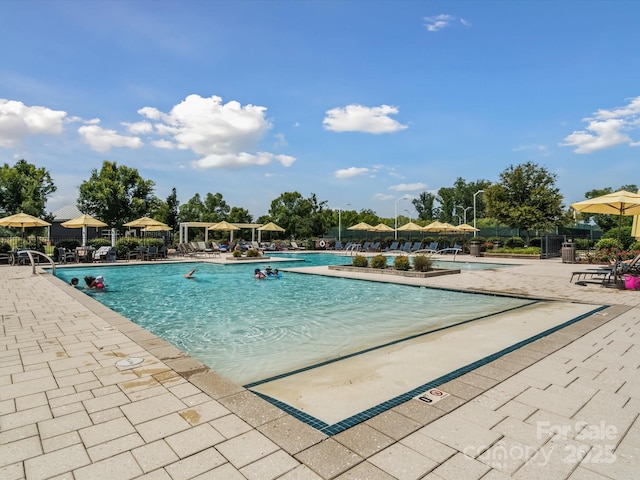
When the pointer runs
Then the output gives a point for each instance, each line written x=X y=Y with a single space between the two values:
x=167 y=211
x=24 y=188
x=116 y=194
x=425 y=205
x=193 y=210
x=455 y=200
x=525 y=198
x=239 y=215
x=212 y=209
x=300 y=217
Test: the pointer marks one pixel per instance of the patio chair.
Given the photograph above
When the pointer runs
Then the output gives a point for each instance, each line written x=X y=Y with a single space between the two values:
x=295 y=246
x=65 y=255
x=100 y=254
x=416 y=246
x=392 y=247
x=607 y=275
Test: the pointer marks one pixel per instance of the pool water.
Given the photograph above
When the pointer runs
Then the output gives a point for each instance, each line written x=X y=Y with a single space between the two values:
x=249 y=330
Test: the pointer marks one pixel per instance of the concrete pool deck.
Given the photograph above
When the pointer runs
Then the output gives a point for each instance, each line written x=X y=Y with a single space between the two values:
x=565 y=406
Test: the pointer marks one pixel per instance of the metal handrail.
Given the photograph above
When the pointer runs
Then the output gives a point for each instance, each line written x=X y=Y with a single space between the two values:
x=32 y=261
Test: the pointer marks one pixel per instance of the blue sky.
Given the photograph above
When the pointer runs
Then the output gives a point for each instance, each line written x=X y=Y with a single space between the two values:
x=360 y=102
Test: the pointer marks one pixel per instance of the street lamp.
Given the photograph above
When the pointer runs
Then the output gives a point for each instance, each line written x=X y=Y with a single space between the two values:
x=475 y=234
x=340 y=220
x=408 y=214
x=406 y=197
x=465 y=211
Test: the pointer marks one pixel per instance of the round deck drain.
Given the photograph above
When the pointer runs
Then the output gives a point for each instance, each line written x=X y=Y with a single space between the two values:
x=128 y=362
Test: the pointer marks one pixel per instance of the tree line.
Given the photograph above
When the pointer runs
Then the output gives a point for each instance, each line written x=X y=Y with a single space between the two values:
x=525 y=197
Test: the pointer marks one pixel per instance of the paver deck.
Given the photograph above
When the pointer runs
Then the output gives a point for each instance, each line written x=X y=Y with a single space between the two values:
x=565 y=406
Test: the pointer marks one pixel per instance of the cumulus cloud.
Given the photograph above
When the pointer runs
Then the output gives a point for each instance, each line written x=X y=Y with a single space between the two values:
x=224 y=135
x=408 y=187
x=351 y=172
x=358 y=118
x=606 y=129
x=438 y=22
x=102 y=140
x=17 y=121
x=383 y=196
x=139 y=128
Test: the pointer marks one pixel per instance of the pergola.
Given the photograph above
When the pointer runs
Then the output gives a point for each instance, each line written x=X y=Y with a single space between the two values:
x=184 y=229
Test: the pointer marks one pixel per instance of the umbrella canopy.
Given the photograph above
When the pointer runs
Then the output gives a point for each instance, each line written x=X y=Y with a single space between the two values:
x=224 y=225
x=381 y=228
x=157 y=228
x=410 y=227
x=83 y=221
x=23 y=220
x=617 y=203
x=143 y=222
x=465 y=228
x=439 y=227
x=362 y=226
x=271 y=227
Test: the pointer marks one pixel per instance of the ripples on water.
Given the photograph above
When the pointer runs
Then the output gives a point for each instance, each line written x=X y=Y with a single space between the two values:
x=249 y=330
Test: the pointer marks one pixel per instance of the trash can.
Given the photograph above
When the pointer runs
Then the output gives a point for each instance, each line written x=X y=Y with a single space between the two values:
x=474 y=249
x=568 y=252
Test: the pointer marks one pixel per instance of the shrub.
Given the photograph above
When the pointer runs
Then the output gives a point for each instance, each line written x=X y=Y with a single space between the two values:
x=360 y=261
x=582 y=243
x=5 y=247
x=535 y=242
x=252 y=252
x=607 y=243
x=402 y=263
x=237 y=253
x=422 y=263
x=99 y=242
x=514 y=242
x=126 y=245
x=379 y=261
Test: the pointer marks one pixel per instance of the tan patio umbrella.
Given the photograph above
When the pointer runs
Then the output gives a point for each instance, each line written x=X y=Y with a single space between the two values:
x=617 y=203
x=157 y=228
x=410 y=227
x=224 y=226
x=83 y=221
x=465 y=228
x=144 y=222
x=361 y=227
x=439 y=227
x=270 y=227
x=23 y=220
x=381 y=228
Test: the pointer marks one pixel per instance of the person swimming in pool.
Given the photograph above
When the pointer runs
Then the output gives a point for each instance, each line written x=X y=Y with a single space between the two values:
x=189 y=274
x=258 y=275
x=74 y=282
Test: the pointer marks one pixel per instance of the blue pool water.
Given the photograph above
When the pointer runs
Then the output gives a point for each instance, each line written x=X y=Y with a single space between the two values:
x=249 y=330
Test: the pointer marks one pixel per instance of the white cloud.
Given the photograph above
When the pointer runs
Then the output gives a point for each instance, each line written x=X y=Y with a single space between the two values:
x=223 y=134
x=358 y=118
x=351 y=172
x=102 y=140
x=408 y=187
x=383 y=196
x=138 y=128
x=17 y=121
x=606 y=129
x=438 y=22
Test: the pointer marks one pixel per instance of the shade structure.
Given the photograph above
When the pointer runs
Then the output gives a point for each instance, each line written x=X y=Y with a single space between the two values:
x=157 y=228
x=465 y=228
x=271 y=227
x=224 y=226
x=619 y=203
x=144 y=222
x=362 y=226
x=83 y=221
x=381 y=228
x=23 y=220
x=439 y=227
x=410 y=227
x=635 y=227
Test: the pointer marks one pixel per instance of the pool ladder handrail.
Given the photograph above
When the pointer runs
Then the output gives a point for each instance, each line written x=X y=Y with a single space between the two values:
x=352 y=248
x=30 y=253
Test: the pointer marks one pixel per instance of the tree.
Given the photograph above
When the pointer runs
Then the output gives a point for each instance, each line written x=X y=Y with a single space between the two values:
x=239 y=215
x=167 y=211
x=526 y=198
x=116 y=194
x=424 y=205
x=24 y=188
x=212 y=209
x=300 y=217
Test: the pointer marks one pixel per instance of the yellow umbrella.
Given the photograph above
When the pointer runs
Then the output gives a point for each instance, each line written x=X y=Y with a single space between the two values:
x=410 y=227
x=465 y=228
x=157 y=228
x=271 y=227
x=439 y=227
x=362 y=226
x=224 y=226
x=144 y=222
x=381 y=227
x=23 y=220
x=83 y=221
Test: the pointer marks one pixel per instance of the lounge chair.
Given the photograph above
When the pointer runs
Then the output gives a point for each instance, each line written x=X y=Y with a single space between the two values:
x=406 y=247
x=374 y=247
x=100 y=254
x=365 y=246
x=338 y=245
x=607 y=275
x=295 y=246
x=416 y=246
x=393 y=247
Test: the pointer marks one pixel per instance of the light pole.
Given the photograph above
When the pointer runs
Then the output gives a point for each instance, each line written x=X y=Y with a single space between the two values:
x=408 y=214
x=395 y=234
x=465 y=211
x=475 y=234
x=340 y=220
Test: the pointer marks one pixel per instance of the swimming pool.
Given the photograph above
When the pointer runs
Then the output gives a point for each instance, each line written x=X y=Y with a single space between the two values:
x=249 y=330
